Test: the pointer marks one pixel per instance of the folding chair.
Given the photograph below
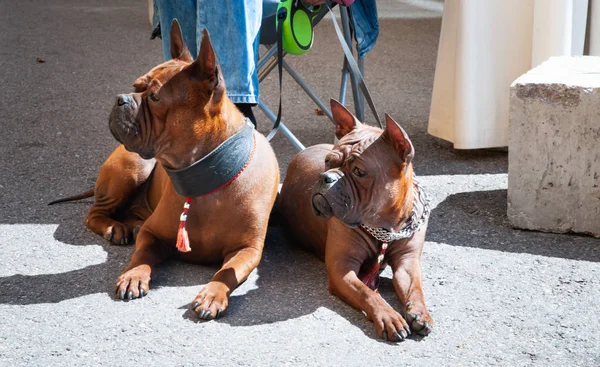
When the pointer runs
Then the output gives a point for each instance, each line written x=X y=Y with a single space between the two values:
x=268 y=62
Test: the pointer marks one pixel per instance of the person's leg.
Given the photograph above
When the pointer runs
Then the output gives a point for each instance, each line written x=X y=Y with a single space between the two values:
x=234 y=28
x=185 y=12
x=269 y=7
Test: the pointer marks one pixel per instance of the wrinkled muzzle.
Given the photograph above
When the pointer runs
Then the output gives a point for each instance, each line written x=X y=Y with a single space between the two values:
x=322 y=191
x=122 y=120
x=331 y=197
x=124 y=124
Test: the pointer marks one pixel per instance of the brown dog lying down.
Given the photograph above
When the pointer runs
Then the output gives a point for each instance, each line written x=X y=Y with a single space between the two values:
x=169 y=129
x=370 y=213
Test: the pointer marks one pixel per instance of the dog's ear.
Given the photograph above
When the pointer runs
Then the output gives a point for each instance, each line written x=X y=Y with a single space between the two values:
x=206 y=68
x=397 y=137
x=178 y=48
x=141 y=83
x=344 y=120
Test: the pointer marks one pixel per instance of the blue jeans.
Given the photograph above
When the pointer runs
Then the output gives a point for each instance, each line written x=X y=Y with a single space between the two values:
x=234 y=27
x=364 y=19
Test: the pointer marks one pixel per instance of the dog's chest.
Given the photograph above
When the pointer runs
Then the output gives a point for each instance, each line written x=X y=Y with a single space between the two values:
x=211 y=228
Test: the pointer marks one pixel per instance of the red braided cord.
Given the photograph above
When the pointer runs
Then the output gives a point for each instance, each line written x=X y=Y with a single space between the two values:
x=371 y=280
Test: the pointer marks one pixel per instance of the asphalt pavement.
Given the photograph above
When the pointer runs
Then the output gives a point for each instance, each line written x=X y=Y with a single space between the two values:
x=499 y=296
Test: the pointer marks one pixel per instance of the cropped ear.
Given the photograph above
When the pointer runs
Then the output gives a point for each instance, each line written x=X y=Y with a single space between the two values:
x=178 y=48
x=343 y=119
x=396 y=136
x=206 y=68
x=141 y=83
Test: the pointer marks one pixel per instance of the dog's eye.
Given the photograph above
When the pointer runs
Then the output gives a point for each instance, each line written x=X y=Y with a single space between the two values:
x=153 y=97
x=359 y=172
x=328 y=162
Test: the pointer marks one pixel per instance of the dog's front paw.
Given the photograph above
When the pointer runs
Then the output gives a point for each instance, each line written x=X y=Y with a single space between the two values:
x=212 y=301
x=389 y=324
x=419 y=318
x=118 y=234
x=134 y=283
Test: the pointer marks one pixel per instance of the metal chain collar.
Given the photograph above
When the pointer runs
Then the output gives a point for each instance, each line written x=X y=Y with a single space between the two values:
x=412 y=225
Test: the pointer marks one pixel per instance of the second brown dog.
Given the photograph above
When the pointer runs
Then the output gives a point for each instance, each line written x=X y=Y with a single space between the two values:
x=356 y=205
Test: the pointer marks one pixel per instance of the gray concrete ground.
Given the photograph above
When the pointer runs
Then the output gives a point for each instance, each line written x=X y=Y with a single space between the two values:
x=499 y=296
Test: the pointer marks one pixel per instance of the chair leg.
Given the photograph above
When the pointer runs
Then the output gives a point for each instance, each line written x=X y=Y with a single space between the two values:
x=266 y=64
x=361 y=99
x=266 y=56
x=284 y=130
x=307 y=89
x=348 y=38
x=262 y=74
x=344 y=83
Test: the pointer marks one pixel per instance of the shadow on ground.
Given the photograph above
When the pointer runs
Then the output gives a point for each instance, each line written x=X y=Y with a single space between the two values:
x=290 y=283
x=478 y=219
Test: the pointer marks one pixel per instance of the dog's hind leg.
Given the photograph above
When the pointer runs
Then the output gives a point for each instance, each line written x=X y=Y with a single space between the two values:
x=119 y=180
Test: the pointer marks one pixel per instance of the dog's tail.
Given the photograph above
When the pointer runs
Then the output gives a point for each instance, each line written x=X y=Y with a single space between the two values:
x=84 y=195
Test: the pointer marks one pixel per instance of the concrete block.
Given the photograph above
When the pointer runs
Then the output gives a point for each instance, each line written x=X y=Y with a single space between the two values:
x=554 y=147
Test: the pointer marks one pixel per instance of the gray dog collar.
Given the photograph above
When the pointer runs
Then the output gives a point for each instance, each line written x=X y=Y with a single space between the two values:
x=218 y=168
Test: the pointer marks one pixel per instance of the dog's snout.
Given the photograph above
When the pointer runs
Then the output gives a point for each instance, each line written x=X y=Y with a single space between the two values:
x=329 y=177
x=123 y=99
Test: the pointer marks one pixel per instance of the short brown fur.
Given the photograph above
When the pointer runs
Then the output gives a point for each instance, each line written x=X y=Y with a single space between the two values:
x=178 y=113
x=382 y=197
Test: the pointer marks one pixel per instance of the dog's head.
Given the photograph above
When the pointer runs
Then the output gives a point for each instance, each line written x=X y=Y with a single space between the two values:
x=171 y=105
x=368 y=177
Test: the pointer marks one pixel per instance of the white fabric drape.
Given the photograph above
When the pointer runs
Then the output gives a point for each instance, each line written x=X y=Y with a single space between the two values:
x=484 y=46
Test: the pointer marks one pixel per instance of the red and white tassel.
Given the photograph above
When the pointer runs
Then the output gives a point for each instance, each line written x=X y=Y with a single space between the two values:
x=183 y=240
x=371 y=280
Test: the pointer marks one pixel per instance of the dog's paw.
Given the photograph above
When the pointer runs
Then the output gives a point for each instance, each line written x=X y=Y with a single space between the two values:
x=118 y=234
x=389 y=324
x=212 y=301
x=419 y=318
x=134 y=283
